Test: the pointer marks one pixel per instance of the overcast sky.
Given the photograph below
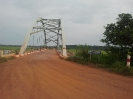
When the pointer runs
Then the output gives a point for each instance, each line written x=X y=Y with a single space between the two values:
x=83 y=19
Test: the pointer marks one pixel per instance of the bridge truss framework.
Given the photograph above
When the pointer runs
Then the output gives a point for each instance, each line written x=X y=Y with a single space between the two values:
x=47 y=26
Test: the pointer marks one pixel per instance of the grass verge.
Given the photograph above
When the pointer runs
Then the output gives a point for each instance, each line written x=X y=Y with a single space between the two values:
x=5 y=59
x=117 y=67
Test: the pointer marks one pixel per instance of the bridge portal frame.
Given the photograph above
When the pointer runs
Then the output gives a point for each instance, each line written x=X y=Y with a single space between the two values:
x=52 y=25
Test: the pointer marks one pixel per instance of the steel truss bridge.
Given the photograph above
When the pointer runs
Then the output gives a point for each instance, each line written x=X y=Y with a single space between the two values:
x=48 y=26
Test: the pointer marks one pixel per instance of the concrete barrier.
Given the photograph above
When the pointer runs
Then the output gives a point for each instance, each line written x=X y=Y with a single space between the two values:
x=28 y=53
x=128 y=61
x=60 y=55
x=25 y=53
x=15 y=56
x=21 y=55
x=1 y=53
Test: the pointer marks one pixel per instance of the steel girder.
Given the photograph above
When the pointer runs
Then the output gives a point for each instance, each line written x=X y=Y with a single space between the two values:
x=47 y=26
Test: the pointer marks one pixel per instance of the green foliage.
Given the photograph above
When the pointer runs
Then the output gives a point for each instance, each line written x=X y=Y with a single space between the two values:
x=82 y=52
x=16 y=51
x=91 y=47
x=119 y=67
x=119 y=33
x=119 y=37
x=4 y=59
x=71 y=50
x=77 y=60
x=107 y=60
x=9 y=47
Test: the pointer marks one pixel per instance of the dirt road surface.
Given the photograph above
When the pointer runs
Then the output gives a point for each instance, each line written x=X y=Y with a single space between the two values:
x=44 y=75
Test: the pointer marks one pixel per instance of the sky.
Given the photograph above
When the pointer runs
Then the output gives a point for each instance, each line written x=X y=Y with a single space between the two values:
x=83 y=20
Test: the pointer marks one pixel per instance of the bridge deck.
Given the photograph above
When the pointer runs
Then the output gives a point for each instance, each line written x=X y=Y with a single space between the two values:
x=44 y=75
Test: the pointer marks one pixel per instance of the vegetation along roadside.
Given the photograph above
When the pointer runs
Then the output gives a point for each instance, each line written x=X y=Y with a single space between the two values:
x=119 y=43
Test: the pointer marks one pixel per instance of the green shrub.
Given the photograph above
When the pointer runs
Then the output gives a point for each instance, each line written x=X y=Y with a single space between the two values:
x=82 y=52
x=110 y=61
x=16 y=51
x=77 y=60
x=2 y=59
x=120 y=67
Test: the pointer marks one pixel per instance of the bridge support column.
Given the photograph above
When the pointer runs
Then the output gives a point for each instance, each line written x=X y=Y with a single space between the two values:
x=26 y=40
x=63 y=41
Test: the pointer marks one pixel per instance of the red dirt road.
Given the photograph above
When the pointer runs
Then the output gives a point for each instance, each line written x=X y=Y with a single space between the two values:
x=44 y=75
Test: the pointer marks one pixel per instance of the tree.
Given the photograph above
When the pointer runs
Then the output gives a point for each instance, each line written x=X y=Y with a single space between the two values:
x=119 y=36
x=120 y=33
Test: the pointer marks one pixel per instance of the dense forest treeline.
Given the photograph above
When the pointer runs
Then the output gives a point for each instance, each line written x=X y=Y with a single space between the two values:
x=91 y=47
